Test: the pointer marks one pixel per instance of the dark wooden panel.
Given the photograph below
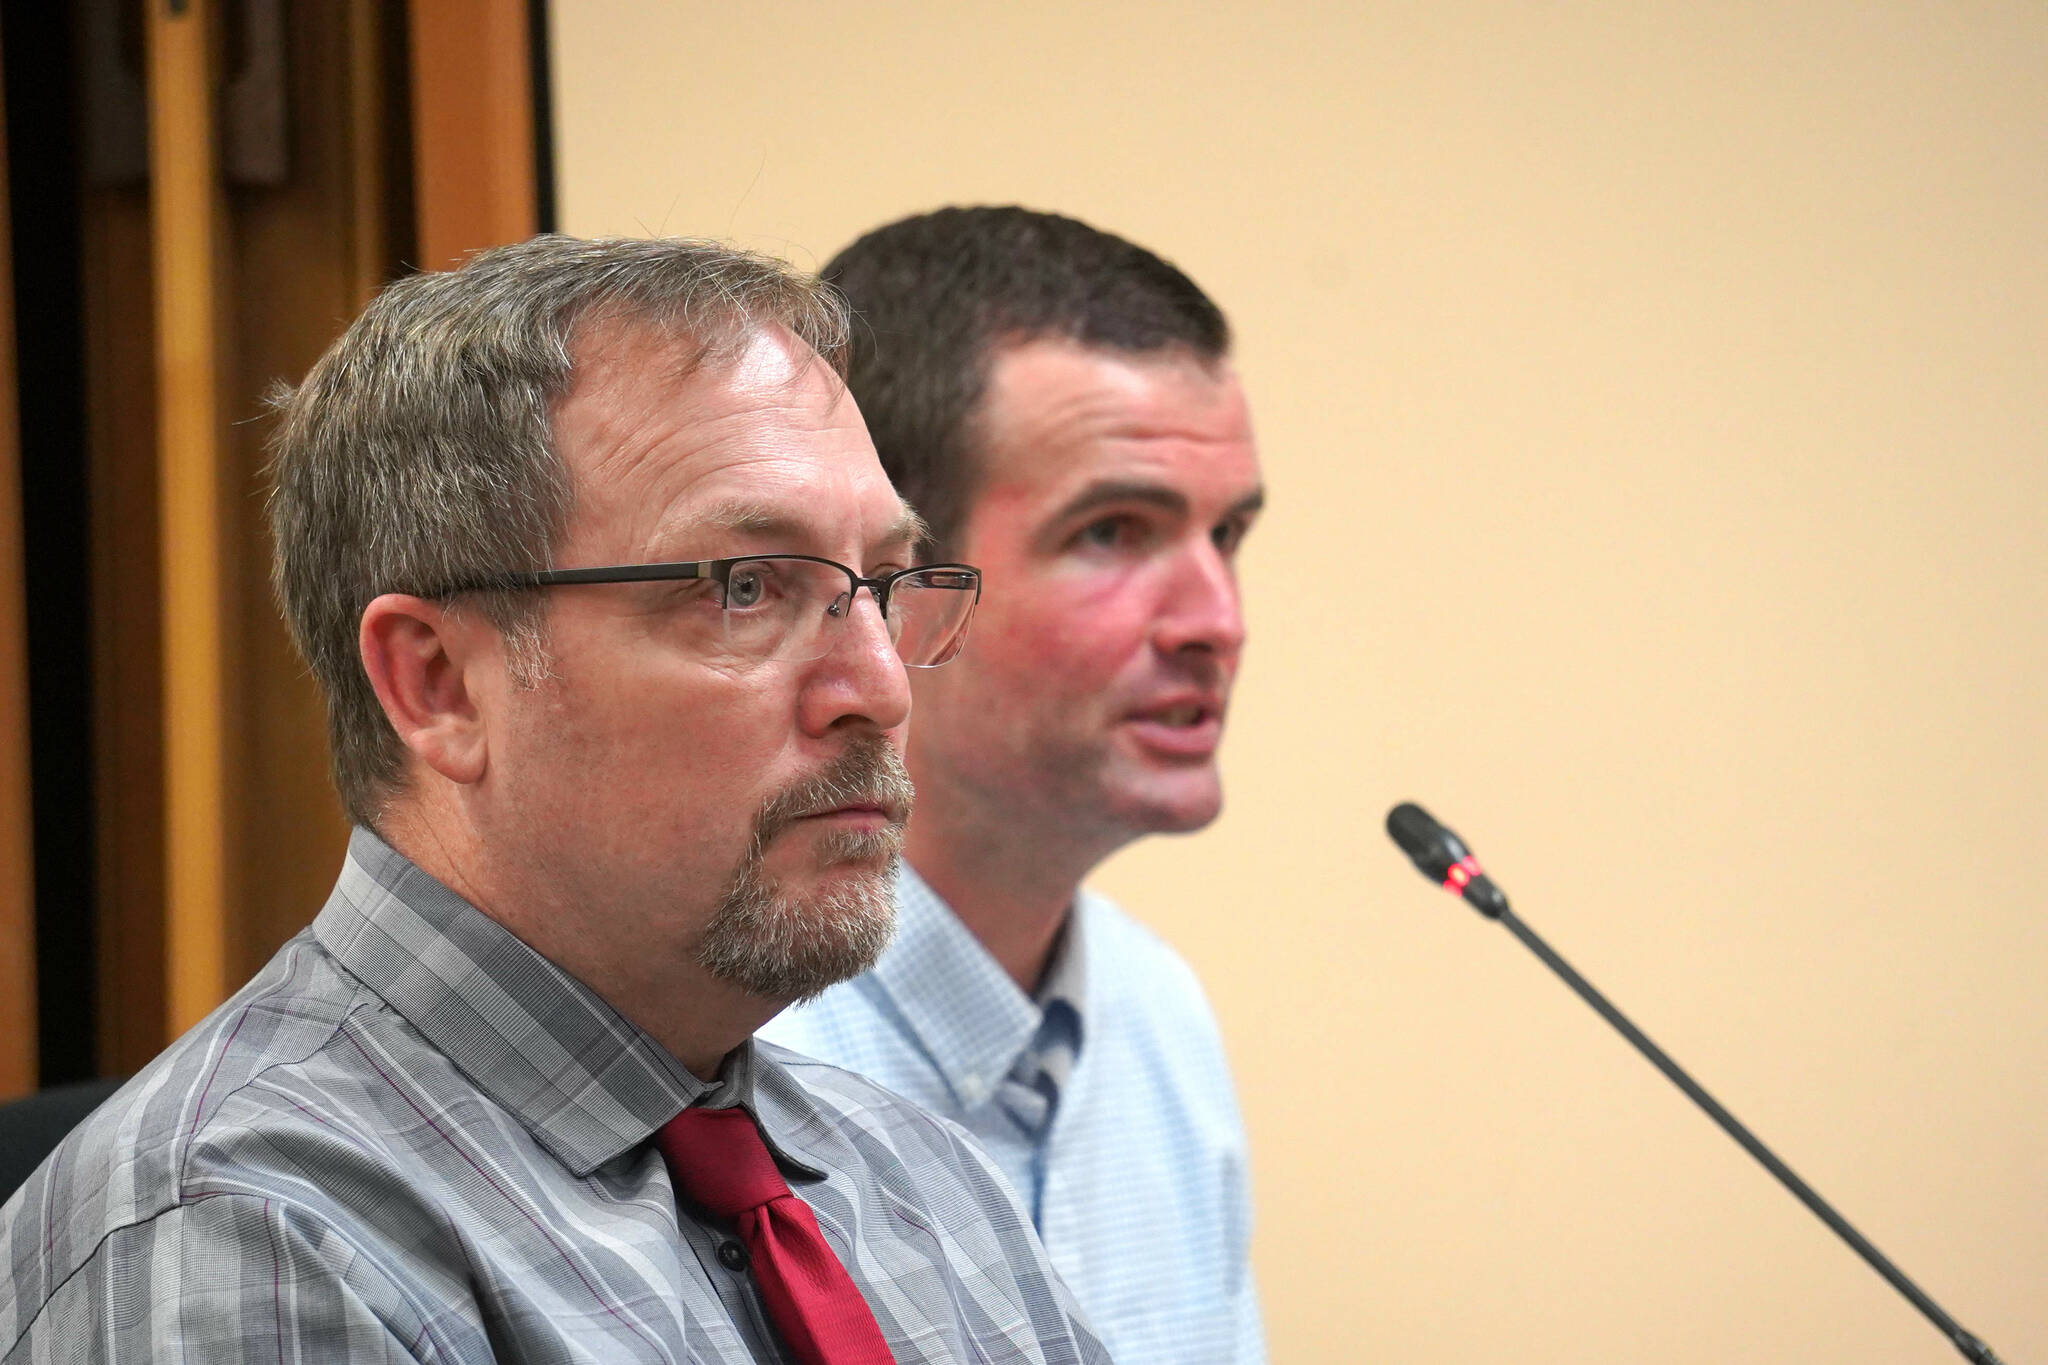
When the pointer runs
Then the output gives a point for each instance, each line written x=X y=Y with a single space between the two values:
x=309 y=252
x=17 y=902
x=121 y=435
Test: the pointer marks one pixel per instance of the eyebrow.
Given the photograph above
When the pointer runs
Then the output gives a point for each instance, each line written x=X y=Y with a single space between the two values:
x=908 y=529
x=1166 y=499
x=1250 y=505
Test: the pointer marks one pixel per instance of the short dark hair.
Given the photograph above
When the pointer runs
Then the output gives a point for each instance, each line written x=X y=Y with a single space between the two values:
x=939 y=294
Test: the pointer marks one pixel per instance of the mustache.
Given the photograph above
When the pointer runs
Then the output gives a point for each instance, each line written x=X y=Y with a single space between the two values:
x=868 y=773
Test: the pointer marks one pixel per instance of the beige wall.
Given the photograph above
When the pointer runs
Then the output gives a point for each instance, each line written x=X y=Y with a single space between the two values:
x=1652 y=398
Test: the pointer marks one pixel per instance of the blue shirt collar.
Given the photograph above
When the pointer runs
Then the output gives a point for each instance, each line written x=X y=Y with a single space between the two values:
x=963 y=1008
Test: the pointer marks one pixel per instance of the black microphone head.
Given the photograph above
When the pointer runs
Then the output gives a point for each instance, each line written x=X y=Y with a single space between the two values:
x=1434 y=849
x=1443 y=857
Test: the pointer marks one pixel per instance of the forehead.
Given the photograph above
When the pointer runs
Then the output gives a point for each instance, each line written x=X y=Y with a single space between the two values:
x=672 y=459
x=1055 y=413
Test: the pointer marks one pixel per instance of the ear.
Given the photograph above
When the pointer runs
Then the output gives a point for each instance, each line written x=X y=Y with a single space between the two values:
x=418 y=656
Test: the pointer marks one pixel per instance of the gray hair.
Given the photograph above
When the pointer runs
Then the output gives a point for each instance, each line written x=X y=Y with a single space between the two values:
x=419 y=452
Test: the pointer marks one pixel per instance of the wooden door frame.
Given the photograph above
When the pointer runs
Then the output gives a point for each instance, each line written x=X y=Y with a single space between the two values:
x=479 y=98
x=446 y=161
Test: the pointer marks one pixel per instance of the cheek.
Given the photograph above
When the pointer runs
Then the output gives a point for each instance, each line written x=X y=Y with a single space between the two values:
x=1021 y=665
x=1087 y=646
x=675 y=735
x=1083 y=623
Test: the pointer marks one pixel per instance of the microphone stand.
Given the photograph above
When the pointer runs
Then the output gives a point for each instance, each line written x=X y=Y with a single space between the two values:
x=1973 y=1349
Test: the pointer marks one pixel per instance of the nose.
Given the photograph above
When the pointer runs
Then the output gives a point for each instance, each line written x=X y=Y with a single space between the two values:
x=1201 y=609
x=859 y=680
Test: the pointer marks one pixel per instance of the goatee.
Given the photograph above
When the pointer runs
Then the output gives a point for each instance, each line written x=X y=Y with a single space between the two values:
x=792 y=945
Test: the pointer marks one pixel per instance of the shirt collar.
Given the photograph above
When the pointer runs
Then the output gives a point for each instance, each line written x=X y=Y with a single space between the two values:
x=1066 y=975
x=585 y=1080
x=967 y=1014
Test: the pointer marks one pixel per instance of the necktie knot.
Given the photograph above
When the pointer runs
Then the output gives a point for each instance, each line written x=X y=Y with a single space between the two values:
x=717 y=1158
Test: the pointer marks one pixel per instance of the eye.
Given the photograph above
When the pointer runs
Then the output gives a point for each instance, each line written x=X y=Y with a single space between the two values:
x=748 y=586
x=1228 y=535
x=1119 y=532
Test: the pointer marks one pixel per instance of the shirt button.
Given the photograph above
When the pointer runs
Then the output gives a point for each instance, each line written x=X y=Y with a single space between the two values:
x=972 y=1090
x=732 y=1256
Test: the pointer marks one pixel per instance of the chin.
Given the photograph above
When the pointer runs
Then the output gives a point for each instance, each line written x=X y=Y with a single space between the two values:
x=1183 y=821
x=788 y=945
x=787 y=936
x=1182 y=809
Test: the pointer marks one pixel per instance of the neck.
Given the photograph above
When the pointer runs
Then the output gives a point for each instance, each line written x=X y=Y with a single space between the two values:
x=1012 y=889
x=695 y=1016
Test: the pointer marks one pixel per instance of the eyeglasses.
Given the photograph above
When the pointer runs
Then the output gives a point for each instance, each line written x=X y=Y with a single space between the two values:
x=784 y=606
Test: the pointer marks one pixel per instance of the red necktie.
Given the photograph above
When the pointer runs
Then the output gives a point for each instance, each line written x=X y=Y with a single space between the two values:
x=716 y=1156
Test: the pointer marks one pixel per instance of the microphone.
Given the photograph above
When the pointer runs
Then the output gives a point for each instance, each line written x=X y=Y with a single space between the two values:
x=1443 y=858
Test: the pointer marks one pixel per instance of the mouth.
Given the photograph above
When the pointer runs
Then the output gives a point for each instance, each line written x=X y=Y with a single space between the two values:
x=862 y=791
x=858 y=815
x=1185 y=728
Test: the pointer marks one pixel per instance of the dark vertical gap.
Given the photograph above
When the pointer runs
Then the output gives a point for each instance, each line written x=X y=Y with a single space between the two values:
x=401 y=217
x=43 y=203
x=543 y=116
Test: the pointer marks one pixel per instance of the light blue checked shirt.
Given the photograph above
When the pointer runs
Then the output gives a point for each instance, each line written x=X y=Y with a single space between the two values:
x=1139 y=1183
x=413 y=1138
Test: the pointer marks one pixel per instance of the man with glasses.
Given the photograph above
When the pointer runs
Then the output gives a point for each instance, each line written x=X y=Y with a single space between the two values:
x=1061 y=407
x=611 y=602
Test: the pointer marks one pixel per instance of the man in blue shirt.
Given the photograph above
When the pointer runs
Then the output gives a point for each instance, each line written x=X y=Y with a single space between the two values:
x=1060 y=406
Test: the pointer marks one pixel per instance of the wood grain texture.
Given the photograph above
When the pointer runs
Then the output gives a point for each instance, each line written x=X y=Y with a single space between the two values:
x=127 y=633
x=197 y=549
x=308 y=253
x=189 y=907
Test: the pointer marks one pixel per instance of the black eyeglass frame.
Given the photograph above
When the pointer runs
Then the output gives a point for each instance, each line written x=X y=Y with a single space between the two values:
x=719 y=571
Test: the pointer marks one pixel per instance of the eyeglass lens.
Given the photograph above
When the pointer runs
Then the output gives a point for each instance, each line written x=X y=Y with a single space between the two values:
x=788 y=608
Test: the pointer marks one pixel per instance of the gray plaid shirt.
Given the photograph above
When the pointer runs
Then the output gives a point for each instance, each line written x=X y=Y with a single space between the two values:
x=411 y=1137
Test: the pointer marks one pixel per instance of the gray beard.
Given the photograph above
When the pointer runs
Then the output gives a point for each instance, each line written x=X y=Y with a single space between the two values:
x=789 y=948
x=780 y=946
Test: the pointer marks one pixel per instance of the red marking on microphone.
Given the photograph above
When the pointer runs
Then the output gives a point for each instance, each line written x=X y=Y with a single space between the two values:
x=1461 y=874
